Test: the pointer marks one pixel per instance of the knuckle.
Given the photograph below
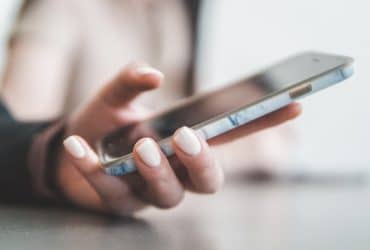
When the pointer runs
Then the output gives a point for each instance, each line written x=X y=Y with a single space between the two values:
x=211 y=189
x=117 y=204
x=211 y=181
x=158 y=179
x=170 y=202
x=168 y=195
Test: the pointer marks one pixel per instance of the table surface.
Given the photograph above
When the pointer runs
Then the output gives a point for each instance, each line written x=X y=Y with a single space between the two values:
x=242 y=216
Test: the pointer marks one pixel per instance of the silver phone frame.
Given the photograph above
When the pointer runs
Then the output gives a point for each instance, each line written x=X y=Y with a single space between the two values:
x=225 y=122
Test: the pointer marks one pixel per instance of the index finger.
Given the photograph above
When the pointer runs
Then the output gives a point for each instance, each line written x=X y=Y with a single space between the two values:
x=115 y=194
x=128 y=84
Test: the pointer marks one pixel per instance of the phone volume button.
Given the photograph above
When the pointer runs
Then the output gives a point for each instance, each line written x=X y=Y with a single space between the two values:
x=300 y=90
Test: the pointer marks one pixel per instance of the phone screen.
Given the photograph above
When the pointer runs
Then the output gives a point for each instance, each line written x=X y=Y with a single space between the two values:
x=241 y=94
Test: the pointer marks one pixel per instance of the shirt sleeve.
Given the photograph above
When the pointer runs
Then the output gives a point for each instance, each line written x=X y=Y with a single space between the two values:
x=25 y=151
x=41 y=161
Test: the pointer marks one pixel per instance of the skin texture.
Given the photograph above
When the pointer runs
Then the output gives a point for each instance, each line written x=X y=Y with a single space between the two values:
x=84 y=183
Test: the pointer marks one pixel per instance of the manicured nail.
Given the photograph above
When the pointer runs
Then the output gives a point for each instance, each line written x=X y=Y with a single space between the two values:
x=145 y=70
x=74 y=147
x=149 y=153
x=187 y=141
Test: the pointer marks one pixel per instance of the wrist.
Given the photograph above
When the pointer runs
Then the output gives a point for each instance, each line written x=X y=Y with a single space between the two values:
x=43 y=157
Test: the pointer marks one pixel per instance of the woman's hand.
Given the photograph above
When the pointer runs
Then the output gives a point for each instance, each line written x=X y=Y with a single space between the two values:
x=159 y=181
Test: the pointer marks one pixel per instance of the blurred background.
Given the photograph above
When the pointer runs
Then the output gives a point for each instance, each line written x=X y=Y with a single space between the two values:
x=245 y=35
x=8 y=13
x=239 y=37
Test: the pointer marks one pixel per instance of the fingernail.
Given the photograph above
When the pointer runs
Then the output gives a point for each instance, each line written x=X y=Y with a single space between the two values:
x=149 y=153
x=145 y=70
x=188 y=142
x=74 y=147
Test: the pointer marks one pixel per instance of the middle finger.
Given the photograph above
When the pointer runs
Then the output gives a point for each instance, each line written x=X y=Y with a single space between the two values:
x=162 y=188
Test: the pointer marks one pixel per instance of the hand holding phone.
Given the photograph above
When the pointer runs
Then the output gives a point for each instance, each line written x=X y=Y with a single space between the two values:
x=159 y=181
x=221 y=111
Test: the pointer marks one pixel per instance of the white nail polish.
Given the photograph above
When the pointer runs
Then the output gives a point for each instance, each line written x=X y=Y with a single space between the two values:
x=149 y=153
x=74 y=147
x=149 y=71
x=188 y=142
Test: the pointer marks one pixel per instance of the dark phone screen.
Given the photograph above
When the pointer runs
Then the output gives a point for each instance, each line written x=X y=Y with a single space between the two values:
x=247 y=91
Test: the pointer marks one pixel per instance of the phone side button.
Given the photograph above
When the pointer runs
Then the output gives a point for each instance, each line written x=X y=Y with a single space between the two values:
x=300 y=90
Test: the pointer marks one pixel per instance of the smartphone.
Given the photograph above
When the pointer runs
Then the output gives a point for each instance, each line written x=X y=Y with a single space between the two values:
x=222 y=110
